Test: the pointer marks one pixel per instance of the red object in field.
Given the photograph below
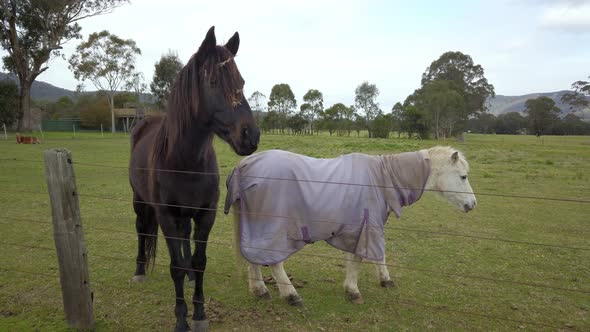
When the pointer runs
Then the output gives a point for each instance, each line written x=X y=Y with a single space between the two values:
x=27 y=139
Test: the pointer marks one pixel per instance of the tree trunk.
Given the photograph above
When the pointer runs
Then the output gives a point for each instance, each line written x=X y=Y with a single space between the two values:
x=24 y=106
x=112 y=106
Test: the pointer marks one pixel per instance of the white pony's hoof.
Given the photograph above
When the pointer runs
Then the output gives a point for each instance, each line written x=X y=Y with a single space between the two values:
x=387 y=283
x=262 y=294
x=139 y=278
x=354 y=298
x=191 y=283
x=200 y=326
x=295 y=300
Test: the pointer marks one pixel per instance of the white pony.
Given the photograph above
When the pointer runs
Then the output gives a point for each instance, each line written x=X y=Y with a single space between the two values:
x=283 y=201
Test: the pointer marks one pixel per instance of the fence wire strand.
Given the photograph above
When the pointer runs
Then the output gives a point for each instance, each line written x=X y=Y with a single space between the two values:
x=557 y=199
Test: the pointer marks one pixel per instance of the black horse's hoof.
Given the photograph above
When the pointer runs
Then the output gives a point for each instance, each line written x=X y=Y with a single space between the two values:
x=295 y=300
x=354 y=298
x=387 y=283
x=182 y=326
x=200 y=326
x=139 y=278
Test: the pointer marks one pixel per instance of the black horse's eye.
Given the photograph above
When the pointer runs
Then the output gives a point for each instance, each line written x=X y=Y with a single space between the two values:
x=464 y=177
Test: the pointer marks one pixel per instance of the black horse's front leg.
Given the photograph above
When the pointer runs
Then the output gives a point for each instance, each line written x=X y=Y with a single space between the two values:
x=174 y=231
x=203 y=223
x=187 y=255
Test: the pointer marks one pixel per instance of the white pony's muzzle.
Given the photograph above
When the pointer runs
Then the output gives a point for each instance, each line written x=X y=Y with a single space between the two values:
x=470 y=206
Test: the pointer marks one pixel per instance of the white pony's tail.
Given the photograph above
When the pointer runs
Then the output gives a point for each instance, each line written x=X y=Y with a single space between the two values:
x=240 y=261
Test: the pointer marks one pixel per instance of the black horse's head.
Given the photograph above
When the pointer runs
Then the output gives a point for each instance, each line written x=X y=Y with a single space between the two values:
x=221 y=96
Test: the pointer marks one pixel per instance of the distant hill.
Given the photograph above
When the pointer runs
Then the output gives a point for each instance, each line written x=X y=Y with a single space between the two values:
x=504 y=104
x=41 y=90
x=45 y=91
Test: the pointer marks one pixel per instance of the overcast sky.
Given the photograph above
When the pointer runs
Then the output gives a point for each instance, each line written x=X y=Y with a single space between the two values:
x=524 y=46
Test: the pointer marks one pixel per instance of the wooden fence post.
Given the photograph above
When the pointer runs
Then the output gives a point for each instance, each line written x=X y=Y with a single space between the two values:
x=69 y=239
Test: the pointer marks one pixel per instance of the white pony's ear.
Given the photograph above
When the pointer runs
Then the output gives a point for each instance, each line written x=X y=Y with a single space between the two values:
x=455 y=157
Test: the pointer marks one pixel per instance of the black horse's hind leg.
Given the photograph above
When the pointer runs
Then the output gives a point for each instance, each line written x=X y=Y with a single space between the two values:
x=174 y=231
x=147 y=228
x=141 y=260
x=203 y=223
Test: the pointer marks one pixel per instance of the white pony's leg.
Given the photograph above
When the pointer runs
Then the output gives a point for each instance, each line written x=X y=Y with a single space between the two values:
x=256 y=283
x=383 y=274
x=351 y=289
x=286 y=289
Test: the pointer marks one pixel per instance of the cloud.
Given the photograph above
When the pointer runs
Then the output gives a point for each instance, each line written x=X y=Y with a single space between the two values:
x=570 y=15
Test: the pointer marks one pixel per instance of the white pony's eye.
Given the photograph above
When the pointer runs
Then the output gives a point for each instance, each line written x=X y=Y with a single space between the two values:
x=464 y=177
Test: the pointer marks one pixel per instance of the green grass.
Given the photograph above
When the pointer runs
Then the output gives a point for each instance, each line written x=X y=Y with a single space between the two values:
x=521 y=165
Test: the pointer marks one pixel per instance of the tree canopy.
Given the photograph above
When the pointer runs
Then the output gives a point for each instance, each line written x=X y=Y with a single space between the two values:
x=542 y=114
x=444 y=107
x=64 y=107
x=94 y=111
x=282 y=100
x=313 y=107
x=122 y=98
x=34 y=31
x=467 y=79
x=579 y=97
x=453 y=90
x=165 y=71
x=107 y=61
x=365 y=101
x=256 y=102
x=8 y=102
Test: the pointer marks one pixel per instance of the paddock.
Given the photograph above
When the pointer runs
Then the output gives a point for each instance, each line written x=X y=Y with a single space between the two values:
x=518 y=261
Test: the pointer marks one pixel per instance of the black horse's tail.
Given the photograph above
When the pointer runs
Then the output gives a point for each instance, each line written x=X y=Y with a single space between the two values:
x=147 y=231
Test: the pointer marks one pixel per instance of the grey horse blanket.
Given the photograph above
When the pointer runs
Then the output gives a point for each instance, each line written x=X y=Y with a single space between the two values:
x=289 y=200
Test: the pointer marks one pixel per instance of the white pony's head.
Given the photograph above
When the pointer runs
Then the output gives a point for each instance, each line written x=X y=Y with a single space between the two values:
x=448 y=177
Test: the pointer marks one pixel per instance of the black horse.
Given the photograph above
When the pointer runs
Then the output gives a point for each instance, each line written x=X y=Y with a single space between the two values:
x=206 y=99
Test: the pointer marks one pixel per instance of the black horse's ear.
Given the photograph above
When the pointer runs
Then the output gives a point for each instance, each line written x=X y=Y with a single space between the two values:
x=455 y=157
x=209 y=42
x=233 y=43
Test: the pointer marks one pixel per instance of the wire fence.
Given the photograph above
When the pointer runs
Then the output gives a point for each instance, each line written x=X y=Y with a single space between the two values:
x=282 y=217
x=434 y=272
x=91 y=135
x=405 y=302
x=218 y=174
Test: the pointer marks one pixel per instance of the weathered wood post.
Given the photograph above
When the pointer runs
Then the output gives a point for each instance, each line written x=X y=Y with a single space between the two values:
x=69 y=239
x=5 y=136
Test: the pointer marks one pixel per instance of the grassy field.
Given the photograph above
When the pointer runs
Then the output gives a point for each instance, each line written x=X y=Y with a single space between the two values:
x=430 y=294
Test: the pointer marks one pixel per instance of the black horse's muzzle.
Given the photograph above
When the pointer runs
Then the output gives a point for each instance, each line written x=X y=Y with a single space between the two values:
x=250 y=137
